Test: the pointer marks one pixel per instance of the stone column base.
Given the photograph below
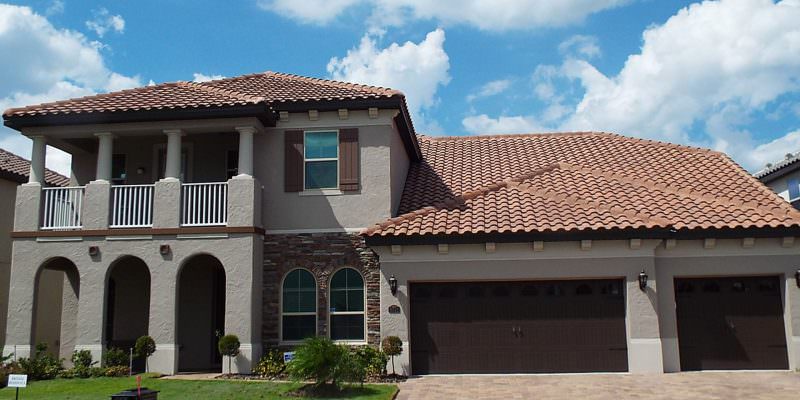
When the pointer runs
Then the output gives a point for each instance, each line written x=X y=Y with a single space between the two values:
x=164 y=360
x=19 y=351
x=247 y=359
x=644 y=356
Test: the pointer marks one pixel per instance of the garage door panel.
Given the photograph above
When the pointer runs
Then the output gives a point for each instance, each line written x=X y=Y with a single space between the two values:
x=730 y=323
x=498 y=327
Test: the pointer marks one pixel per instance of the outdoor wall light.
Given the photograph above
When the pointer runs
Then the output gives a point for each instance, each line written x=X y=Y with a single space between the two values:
x=94 y=250
x=164 y=249
x=393 y=284
x=642 y=280
x=797 y=277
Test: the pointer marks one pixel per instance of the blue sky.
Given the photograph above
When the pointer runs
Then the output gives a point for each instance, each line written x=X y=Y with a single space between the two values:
x=720 y=74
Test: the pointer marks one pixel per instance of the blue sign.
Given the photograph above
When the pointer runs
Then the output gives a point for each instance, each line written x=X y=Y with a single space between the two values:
x=288 y=356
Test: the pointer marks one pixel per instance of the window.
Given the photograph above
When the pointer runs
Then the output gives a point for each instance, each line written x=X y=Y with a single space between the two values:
x=794 y=189
x=347 y=305
x=299 y=306
x=118 y=170
x=321 y=160
x=232 y=164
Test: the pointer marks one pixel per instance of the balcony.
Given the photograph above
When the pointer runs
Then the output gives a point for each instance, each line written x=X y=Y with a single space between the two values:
x=136 y=184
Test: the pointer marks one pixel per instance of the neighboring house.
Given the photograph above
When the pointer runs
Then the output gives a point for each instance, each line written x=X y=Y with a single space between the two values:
x=13 y=171
x=278 y=207
x=783 y=178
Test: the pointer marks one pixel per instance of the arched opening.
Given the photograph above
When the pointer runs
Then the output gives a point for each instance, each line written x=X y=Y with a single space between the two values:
x=55 y=315
x=201 y=313
x=127 y=311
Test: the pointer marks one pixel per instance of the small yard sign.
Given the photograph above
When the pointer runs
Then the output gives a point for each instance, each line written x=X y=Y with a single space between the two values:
x=288 y=356
x=17 y=381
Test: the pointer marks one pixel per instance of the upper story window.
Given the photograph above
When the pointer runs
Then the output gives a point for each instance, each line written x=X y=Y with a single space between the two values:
x=232 y=164
x=321 y=160
x=794 y=189
x=118 y=169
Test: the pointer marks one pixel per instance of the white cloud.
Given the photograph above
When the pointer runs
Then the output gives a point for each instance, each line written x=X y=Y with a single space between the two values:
x=498 y=15
x=483 y=124
x=775 y=150
x=103 y=22
x=712 y=65
x=416 y=69
x=308 y=11
x=56 y=7
x=490 y=88
x=581 y=46
x=200 y=77
x=48 y=64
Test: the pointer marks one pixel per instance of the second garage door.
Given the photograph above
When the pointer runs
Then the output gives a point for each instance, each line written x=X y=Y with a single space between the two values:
x=506 y=327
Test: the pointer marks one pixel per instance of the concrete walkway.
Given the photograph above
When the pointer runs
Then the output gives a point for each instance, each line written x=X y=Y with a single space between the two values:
x=689 y=385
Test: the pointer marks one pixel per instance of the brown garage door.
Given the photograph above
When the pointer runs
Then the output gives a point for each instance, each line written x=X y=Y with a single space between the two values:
x=502 y=327
x=730 y=323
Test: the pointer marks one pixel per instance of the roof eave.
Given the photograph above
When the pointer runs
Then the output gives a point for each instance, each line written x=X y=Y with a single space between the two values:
x=600 y=234
x=782 y=171
x=258 y=110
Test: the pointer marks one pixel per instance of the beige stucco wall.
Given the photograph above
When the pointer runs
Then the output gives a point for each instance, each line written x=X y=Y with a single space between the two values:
x=650 y=321
x=8 y=190
x=238 y=253
x=349 y=210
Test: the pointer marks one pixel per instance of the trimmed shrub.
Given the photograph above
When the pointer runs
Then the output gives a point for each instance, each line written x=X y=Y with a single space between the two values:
x=371 y=360
x=115 y=357
x=270 y=365
x=324 y=362
x=144 y=348
x=82 y=358
x=228 y=346
x=42 y=365
x=392 y=346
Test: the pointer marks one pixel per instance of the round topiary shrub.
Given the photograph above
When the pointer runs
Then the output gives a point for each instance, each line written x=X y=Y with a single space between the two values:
x=144 y=348
x=228 y=346
x=392 y=346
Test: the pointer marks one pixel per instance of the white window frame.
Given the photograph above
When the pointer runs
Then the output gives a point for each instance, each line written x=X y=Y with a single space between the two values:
x=364 y=312
x=305 y=160
x=281 y=314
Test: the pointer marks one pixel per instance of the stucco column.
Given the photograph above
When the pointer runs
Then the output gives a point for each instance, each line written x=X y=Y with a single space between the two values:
x=96 y=210
x=173 y=164
x=244 y=201
x=38 y=154
x=243 y=301
x=26 y=207
x=163 y=316
x=167 y=203
x=245 y=150
x=105 y=152
x=644 y=336
x=91 y=308
x=19 y=325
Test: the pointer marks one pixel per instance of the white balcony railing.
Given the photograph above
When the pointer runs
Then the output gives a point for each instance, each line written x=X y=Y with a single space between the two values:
x=204 y=204
x=62 y=207
x=132 y=206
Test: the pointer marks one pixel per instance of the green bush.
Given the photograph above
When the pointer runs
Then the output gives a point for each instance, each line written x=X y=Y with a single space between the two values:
x=82 y=358
x=270 y=365
x=115 y=357
x=228 y=346
x=145 y=347
x=324 y=362
x=42 y=365
x=392 y=346
x=371 y=360
x=116 y=371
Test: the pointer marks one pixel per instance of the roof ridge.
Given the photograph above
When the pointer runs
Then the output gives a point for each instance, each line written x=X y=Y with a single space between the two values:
x=449 y=203
x=687 y=193
x=226 y=92
x=333 y=82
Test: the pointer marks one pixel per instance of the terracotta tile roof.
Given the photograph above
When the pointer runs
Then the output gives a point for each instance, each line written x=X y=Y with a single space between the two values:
x=577 y=182
x=16 y=168
x=268 y=88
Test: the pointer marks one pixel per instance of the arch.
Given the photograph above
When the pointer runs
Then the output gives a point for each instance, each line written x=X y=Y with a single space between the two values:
x=298 y=319
x=127 y=304
x=347 y=303
x=200 y=317
x=55 y=308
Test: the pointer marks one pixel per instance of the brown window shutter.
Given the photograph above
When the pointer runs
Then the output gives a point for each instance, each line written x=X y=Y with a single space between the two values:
x=348 y=159
x=293 y=161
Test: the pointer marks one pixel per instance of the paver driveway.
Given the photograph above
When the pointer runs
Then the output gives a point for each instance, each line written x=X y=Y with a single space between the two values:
x=689 y=385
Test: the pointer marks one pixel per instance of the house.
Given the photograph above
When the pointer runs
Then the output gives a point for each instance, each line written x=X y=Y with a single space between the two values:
x=13 y=171
x=783 y=177
x=278 y=207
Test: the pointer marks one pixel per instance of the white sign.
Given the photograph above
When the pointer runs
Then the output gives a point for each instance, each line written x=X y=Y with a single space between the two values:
x=18 y=381
x=288 y=356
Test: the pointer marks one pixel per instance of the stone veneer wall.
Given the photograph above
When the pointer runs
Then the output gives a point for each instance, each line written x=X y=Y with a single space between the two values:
x=322 y=254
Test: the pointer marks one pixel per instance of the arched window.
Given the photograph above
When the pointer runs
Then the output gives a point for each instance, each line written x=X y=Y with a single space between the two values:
x=299 y=306
x=347 y=305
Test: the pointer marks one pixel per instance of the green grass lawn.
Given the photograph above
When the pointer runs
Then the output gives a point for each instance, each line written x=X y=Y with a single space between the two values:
x=103 y=388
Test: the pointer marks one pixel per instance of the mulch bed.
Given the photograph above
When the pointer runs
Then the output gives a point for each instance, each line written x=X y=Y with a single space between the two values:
x=389 y=378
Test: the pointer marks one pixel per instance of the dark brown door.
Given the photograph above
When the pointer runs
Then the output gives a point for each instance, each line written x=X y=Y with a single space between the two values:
x=730 y=323
x=505 y=327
